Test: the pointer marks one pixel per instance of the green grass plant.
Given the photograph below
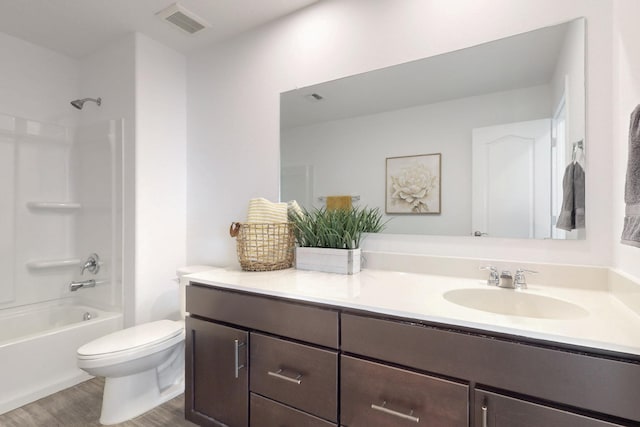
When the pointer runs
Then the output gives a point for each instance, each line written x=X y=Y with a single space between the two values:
x=338 y=229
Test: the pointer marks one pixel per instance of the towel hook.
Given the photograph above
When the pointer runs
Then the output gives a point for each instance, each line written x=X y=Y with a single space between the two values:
x=578 y=145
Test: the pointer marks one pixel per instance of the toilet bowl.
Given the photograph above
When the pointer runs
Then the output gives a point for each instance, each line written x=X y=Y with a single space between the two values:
x=143 y=365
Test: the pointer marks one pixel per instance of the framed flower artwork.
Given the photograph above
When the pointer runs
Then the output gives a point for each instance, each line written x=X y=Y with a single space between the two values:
x=413 y=184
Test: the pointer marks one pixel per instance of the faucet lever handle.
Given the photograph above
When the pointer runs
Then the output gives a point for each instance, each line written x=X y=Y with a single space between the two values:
x=520 y=280
x=494 y=277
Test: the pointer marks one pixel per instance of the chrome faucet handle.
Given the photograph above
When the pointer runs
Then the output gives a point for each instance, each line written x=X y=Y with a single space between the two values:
x=520 y=280
x=92 y=264
x=494 y=277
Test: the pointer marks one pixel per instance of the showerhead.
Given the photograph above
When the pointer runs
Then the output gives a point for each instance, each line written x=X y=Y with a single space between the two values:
x=78 y=103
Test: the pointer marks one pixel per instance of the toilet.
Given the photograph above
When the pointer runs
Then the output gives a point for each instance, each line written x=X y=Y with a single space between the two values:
x=143 y=365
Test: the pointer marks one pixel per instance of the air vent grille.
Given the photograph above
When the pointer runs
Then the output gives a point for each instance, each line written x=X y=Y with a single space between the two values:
x=183 y=19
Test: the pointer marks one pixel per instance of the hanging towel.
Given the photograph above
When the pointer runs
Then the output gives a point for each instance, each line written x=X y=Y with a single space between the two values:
x=262 y=210
x=338 y=202
x=572 y=211
x=631 y=229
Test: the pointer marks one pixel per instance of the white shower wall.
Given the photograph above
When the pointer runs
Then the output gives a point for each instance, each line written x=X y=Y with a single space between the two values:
x=58 y=207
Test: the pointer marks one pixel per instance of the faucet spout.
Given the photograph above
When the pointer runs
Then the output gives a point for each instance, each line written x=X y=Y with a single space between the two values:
x=74 y=286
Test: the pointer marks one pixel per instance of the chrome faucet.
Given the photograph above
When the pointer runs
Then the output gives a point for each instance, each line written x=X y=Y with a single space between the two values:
x=74 y=286
x=92 y=264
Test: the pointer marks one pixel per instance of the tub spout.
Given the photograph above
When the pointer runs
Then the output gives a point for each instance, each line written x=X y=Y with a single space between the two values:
x=74 y=286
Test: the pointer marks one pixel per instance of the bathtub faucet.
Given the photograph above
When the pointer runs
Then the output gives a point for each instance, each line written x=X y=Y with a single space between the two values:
x=74 y=286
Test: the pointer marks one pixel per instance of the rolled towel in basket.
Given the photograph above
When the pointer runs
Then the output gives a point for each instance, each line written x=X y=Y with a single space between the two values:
x=264 y=211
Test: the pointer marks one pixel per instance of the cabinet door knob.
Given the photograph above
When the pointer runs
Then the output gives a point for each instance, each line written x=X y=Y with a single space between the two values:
x=383 y=408
x=297 y=379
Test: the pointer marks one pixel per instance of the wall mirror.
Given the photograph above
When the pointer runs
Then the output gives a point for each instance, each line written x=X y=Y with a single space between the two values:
x=506 y=120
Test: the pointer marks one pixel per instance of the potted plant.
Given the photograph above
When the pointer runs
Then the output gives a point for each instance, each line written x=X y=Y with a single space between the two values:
x=329 y=240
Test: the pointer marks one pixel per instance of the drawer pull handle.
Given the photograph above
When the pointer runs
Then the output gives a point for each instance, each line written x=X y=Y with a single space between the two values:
x=485 y=416
x=236 y=351
x=279 y=374
x=383 y=408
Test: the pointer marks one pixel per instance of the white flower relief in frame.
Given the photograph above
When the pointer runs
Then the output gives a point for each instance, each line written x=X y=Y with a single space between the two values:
x=413 y=184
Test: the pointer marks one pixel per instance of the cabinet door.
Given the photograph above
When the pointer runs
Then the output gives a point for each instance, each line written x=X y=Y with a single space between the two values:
x=217 y=381
x=496 y=410
x=377 y=395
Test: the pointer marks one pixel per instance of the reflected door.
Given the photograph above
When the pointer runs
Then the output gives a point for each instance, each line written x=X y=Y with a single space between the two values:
x=511 y=188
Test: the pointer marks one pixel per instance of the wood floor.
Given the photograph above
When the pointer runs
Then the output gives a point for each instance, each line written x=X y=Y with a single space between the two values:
x=79 y=406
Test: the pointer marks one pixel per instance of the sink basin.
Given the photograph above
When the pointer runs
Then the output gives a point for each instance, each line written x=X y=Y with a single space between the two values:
x=515 y=303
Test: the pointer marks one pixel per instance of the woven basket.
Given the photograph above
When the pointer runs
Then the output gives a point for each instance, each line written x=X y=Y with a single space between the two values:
x=264 y=247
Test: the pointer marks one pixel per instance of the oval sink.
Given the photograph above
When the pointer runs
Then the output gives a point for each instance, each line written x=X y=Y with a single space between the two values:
x=515 y=303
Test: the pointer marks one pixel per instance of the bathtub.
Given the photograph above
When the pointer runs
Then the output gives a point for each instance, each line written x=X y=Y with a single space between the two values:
x=38 y=346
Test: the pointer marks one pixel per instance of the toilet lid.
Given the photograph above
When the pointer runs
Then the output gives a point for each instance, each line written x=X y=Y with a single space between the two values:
x=134 y=337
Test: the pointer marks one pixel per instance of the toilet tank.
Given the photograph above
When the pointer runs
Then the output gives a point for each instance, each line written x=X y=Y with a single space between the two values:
x=181 y=272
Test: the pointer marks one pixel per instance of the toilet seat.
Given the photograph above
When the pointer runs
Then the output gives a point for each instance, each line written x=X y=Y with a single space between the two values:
x=130 y=343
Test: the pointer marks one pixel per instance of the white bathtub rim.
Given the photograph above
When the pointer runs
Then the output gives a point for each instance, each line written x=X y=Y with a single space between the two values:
x=40 y=307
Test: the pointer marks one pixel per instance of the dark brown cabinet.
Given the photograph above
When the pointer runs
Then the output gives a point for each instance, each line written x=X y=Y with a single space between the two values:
x=217 y=389
x=496 y=410
x=261 y=361
x=282 y=357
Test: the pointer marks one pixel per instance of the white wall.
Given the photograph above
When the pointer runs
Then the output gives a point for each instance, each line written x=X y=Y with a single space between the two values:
x=37 y=83
x=160 y=178
x=626 y=95
x=348 y=156
x=233 y=109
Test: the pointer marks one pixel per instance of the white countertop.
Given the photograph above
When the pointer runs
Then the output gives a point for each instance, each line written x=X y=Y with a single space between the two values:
x=608 y=324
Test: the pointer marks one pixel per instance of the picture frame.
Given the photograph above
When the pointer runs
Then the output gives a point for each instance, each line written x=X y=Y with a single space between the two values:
x=413 y=184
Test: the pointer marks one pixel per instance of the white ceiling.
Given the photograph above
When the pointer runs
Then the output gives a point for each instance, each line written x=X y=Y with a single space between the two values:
x=79 y=27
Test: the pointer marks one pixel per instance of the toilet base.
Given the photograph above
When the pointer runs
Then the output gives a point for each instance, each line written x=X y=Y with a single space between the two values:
x=127 y=397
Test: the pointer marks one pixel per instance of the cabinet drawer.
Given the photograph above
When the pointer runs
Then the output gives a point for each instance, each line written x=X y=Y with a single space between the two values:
x=496 y=410
x=298 y=375
x=556 y=375
x=374 y=395
x=267 y=413
x=311 y=324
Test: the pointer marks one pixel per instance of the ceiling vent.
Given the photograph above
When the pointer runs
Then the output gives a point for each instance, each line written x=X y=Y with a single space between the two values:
x=314 y=97
x=185 y=20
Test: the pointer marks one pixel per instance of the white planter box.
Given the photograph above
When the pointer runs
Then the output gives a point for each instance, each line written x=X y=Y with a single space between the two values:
x=345 y=261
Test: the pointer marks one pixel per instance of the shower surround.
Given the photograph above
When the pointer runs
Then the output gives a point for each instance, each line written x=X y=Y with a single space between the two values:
x=61 y=201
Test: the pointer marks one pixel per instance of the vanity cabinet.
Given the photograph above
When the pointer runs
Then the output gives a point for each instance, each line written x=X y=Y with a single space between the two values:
x=261 y=361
